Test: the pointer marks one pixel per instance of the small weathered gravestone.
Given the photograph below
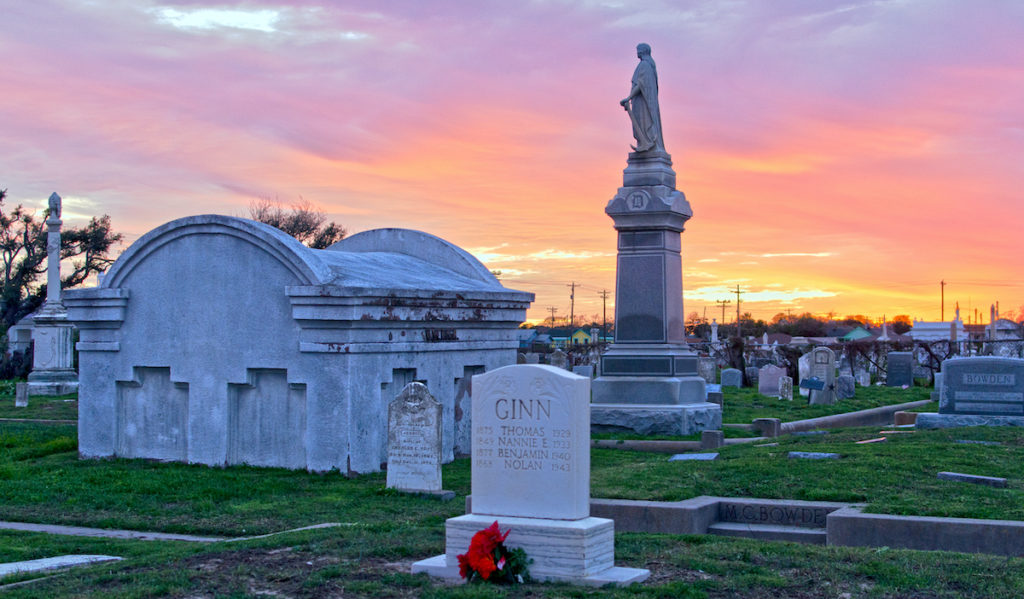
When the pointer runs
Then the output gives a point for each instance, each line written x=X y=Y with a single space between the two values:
x=558 y=359
x=21 y=395
x=414 y=442
x=732 y=377
x=768 y=380
x=786 y=388
x=900 y=369
x=708 y=370
x=845 y=387
x=532 y=358
x=863 y=378
x=979 y=391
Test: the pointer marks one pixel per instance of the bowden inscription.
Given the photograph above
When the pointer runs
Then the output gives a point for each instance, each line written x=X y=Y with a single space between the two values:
x=774 y=514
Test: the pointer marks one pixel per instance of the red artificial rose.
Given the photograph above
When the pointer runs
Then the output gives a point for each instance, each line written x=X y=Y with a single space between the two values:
x=480 y=556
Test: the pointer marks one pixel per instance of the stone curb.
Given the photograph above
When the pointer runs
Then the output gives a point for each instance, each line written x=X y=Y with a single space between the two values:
x=844 y=524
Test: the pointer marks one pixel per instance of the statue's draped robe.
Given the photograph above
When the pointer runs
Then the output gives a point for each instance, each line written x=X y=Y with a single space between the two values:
x=644 y=111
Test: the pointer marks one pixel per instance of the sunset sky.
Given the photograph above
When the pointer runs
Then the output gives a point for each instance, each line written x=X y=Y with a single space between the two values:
x=839 y=156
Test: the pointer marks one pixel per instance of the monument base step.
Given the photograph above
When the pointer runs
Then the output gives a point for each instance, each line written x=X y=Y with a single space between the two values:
x=769 y=532
x=653 y=419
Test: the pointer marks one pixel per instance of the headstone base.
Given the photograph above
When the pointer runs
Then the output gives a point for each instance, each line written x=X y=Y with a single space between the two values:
x=931 y=420
x=52 y=382
x=655 y=419
x=576 y=551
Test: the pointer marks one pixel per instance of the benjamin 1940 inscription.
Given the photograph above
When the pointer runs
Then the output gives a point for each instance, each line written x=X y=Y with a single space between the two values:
x=531 y=428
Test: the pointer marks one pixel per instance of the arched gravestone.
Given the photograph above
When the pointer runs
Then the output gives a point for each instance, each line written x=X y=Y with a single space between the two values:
x=823 y=368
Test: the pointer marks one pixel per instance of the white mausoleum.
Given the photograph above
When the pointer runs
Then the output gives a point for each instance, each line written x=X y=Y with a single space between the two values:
x=219 y=340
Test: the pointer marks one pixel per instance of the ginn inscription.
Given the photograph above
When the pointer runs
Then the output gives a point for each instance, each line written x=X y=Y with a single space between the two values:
x=522 y=409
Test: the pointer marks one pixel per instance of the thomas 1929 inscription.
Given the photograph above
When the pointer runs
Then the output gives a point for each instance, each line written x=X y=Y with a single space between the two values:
x=531 y=432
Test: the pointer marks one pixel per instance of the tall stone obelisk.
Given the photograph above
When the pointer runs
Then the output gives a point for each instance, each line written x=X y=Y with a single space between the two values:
x=53 y=370
x=648 y=379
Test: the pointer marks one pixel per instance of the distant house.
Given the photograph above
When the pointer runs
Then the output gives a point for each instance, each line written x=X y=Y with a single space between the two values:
x=527 y=338
x=859 y=333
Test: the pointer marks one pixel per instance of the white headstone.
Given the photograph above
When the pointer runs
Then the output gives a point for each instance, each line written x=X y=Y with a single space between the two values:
x=804 y=367
x=414 y=440
x=21 y=395
x=531 y=443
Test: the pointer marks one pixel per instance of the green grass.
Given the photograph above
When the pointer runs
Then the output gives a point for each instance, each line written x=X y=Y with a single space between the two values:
x=42 y=480
x=64 y=407
x=742 y=406
x=897 y=476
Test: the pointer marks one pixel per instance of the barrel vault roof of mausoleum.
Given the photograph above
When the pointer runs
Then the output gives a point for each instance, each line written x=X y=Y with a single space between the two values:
x=303 y=262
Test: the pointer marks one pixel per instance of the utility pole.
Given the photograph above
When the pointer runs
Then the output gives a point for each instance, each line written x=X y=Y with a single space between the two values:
x=552 y=309
x=572 y=306
x=722 y=303
x=738 y=292
x=942 y=313
x=604 y=313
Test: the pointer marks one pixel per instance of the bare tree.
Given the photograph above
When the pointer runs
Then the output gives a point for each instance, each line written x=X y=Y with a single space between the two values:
x=23 y=257
x=302 y=220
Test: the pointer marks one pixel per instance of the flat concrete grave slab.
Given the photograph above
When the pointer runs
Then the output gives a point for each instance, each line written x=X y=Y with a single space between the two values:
x=990 y=481
x=81 y=531
x=693 y=457
x=809 y=433
x=866 y=441
x=973 y=442
x=813 y=455
x=53 y=563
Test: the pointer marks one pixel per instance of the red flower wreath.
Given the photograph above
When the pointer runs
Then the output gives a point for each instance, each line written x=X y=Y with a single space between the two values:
x=488 y=559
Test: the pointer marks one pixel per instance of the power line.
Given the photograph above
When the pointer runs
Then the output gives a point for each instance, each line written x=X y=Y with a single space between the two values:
x=572 y=304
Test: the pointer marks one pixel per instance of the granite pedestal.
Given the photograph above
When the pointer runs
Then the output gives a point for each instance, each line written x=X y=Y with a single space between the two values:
x=649 y=380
